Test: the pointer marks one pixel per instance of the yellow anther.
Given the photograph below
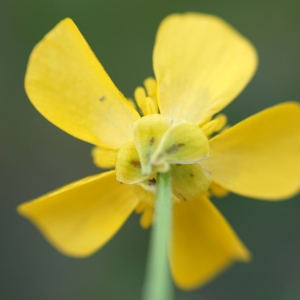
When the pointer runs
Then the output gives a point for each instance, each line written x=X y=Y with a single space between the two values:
x=140 y=207
x=140 y=95
x=215 y=125
x=151 y=106
x=147 y=217
x=209 y=128
x=222 y=121
x=217 y=190
x=143 y=194
x=147 y=101
x=147 y=105
x=151 y=87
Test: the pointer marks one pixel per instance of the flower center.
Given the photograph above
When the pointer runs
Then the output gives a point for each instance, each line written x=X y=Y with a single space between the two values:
x=159 y=145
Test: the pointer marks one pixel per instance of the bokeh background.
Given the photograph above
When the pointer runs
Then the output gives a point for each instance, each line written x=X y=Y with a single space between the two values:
x=36 y=157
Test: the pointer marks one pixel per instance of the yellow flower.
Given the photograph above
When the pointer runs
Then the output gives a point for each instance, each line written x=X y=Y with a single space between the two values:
x=201 y=64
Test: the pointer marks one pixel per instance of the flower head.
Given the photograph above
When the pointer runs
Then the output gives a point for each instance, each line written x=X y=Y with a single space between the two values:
x=201 y=64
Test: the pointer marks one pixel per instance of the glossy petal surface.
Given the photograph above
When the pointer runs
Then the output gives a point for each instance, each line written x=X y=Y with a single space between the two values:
x=260 y=156
x=203 y=243
x=81 y=217
x=69 y=87
x=201 y=64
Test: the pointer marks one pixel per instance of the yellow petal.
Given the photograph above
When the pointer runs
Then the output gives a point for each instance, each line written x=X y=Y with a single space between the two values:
x=201 y=64
x=132 y=103
x=260 y=156
x=69 y=87
x=104 y=157
x=81 y=217
x=182 y=143
x=190 y=181
x=128 y=164
x=203 y=243
x=148 y=132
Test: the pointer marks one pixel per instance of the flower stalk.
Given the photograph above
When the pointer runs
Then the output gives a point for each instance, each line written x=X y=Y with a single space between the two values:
x=158 y=283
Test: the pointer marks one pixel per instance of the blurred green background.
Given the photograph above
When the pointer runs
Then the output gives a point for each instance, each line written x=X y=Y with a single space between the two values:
x=36 y=157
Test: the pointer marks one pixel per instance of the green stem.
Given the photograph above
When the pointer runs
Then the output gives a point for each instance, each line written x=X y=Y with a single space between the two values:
x=158 y=283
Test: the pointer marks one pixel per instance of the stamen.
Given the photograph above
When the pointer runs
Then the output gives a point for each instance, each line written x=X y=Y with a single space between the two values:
x=217 y=190
x=209 y=128
x=140 y=96
x=215 y=125
x=140 y=207
x=147 y=214
x=151 y=87
x=222 y=121
x=147 y=217
x=145 y=193
x=147 y=101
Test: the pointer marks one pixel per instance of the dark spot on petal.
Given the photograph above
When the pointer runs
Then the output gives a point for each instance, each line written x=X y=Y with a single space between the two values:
x=121 y=182
x=192 y=175
x=101 y=98
x=136 y=163
x=152 y=140
x=160 y=156
x=174 y=148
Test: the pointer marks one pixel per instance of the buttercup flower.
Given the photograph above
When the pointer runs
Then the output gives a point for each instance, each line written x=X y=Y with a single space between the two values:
x=201 y=64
